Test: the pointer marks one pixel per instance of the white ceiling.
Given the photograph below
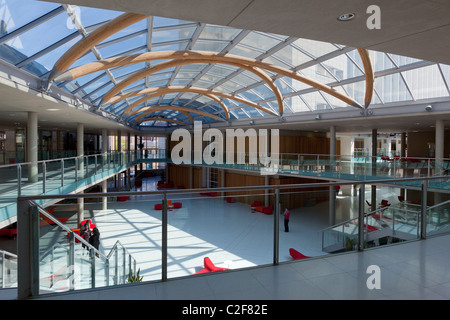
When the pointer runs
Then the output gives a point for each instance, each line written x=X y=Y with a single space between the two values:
x=414 y=28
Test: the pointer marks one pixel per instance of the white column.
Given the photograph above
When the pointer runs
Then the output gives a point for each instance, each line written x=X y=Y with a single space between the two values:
x=32 y=146
x=439 y=140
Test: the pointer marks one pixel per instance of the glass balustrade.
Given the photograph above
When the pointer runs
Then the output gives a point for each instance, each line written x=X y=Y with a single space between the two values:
x=67 y=262
x=8 y=269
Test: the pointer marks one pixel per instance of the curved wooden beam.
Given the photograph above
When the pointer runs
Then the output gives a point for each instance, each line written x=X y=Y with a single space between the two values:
x=174 y=63
x=194 y=90
x=162 y=119
x=370 y=77
x=158 y=108
x=95 y=37
x=129 y=109
x=198 y=55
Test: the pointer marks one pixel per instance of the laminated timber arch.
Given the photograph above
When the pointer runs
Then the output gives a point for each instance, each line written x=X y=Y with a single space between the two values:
x=370 y=77
x=174 y=108
x=95 y=37
x=162 y=119
x=175 y=63
x=204 y=56
x=164 y=90
x=129 y=110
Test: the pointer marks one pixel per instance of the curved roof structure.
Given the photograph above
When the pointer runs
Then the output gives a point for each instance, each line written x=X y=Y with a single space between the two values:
x=154 y=71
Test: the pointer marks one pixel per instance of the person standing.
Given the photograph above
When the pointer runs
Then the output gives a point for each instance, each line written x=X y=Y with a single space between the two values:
x=287 y=214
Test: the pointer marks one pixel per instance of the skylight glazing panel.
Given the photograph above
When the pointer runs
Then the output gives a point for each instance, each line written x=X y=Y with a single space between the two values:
x=48 y=60
x=17 y=13
x=446 y=73
x=297 y=104
x=340 y=68
x=402 y=60
x=181 y=82
x=91 y=16
x=211 y=46
x=245 y=52
x=316 y=101
x=162 y=83
x=292 y=56
x=380 y=61
x=264 y=91
x=159 y=36
x=171 y=46
x=118 y=48
x=127 y=70
x=283 y=85
x=260 y=41
x=277 y=62
x=222 y=70
x=165 y=22
x=391 y=88
x=314 y=48
x=33 y=41
x=426 y=82
x=245 y=79
x=211 y=32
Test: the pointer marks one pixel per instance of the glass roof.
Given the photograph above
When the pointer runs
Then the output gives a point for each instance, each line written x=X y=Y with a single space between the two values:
x=35 y=34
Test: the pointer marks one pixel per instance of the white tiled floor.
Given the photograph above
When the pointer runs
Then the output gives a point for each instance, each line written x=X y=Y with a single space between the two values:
x=234 y=237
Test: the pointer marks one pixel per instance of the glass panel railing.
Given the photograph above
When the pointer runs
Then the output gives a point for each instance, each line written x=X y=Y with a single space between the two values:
x=384 y=225
x=8 y=269
x=438 y=218
x=68 y=262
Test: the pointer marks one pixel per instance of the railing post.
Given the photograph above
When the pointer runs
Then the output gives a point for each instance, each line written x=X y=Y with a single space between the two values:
x=71 y=261
x=44 y=176
x=423 y=211
x=76 y=169
x=276 y=228
x=92 y=258
x=28 y=246
x=164 y=239
x=19 y=180
x=361 y=217
x=62 y=172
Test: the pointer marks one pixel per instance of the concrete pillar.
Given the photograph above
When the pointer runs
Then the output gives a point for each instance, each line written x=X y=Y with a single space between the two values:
x=105 y=190
x=119 y=141
x=266 y=192
x=32 y=146
x=332 y=190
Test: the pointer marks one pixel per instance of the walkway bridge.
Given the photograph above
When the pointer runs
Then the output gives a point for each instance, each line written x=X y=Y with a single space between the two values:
x=72 y=175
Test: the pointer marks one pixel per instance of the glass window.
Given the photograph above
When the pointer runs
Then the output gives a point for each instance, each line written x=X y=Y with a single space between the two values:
x=426 y=82
x=391 y=88
x=17 y=13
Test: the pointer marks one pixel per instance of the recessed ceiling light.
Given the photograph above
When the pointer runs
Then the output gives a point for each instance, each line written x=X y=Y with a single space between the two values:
x=346 y=17
x=53 y=109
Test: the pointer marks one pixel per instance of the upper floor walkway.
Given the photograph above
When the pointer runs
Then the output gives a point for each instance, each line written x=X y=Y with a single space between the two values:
x=74 y=174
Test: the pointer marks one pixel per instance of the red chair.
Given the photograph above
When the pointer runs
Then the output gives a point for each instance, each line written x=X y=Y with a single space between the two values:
x=297 y=255
x=256 y=204
x=231 y=200
x=177 y=205
x=209 y=267
x=123 y=198
x=268 y=210
x=384 y=203
x=158 y=206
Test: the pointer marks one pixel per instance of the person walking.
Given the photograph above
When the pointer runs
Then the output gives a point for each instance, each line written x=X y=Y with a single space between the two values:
x=287 y=214
x=94 y=240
